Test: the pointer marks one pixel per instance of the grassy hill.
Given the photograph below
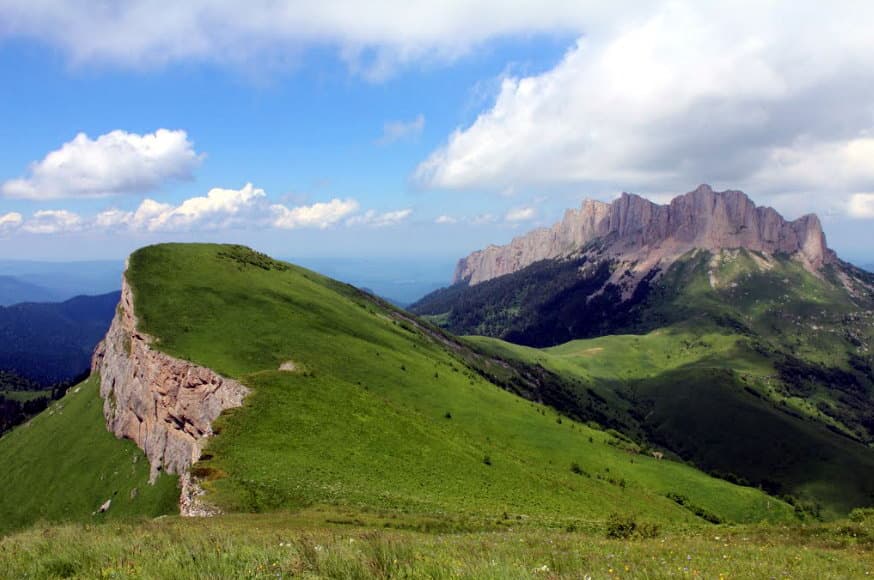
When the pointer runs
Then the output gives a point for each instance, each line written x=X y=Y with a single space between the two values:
x=380 y=414
x=63 y=464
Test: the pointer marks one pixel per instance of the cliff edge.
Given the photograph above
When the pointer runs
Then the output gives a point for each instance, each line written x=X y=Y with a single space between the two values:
x=163 y=404
x=636 y=230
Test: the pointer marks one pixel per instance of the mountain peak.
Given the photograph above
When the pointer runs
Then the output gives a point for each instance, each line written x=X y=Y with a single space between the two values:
x=643 y=233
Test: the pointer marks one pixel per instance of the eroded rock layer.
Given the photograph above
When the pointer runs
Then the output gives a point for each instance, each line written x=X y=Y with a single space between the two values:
x=164 y=404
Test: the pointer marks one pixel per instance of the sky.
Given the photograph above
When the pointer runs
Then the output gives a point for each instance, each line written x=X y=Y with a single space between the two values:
x=418 y=130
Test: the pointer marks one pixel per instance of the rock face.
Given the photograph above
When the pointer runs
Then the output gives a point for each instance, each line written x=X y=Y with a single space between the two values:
x=163 y=404
x=638 y=231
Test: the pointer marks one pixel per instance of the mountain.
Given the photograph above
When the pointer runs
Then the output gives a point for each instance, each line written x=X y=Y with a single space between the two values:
x=14 y=290
x=52 y=342
x=59 y=281
x=710 y=327
x=635 y=231
x=265 y=387
x=588 y=275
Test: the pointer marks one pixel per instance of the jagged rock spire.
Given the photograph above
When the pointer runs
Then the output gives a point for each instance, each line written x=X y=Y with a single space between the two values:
x=638 y=230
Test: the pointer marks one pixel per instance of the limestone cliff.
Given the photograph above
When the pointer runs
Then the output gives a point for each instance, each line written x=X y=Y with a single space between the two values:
x=637 y=231
x=163 y=404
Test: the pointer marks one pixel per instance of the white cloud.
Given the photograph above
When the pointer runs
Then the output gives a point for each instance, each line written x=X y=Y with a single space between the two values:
x=373 y=38
x=317 y=215
x=115 y=163
x=520 y=214
x=765 y=96
x=398 y=130
x=52 y=221
x=445 y=219
x=378 y=220
x=861 y=205
x=845 y=164
x=10 y=222
x=220 y=208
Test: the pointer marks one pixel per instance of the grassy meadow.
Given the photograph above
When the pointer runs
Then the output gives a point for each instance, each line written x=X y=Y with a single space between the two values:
x=312 y=545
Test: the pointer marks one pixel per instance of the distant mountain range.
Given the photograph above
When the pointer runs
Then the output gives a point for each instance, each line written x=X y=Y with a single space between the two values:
x=33 y=281
x=14 y=290
x=49 y=343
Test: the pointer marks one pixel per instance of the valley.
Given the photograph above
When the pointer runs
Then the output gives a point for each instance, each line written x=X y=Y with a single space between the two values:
x=752 y=365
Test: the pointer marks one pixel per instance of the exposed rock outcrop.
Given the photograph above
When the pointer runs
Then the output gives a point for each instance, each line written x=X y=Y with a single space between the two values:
x=164 y=405
x=635 y=230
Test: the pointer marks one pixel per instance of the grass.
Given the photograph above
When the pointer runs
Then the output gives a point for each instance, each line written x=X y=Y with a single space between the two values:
x=281 y=546
x=363 y=422
x=63 y=464
x=713 y=399
x=383 y=455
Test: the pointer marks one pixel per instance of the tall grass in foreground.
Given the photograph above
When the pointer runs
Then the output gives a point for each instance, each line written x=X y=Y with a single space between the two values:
x=275 y=547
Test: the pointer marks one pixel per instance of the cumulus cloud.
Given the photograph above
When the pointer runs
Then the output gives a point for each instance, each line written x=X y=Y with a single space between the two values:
x=317 y=215
x=520 y=214
x=398 y=130
x=373 y=39
x=219 y=208
x=375 y=219
x=10 y=222
x=769 y=97
x=861 y=205
x=115 y=163
x=445 y=220
x=52 y=221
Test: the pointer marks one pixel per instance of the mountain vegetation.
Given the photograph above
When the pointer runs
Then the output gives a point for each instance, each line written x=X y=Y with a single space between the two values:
x=50 y=343
x=373 y=444
x=753 y=365
x=751 y=368
x=381 y=413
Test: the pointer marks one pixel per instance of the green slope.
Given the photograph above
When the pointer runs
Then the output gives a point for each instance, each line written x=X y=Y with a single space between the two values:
x=715 y=401
x=63 y=464
x=381 y=415
x=744 y=364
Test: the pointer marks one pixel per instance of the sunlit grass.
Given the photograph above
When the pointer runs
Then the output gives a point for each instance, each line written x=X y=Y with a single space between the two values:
x=281 y=546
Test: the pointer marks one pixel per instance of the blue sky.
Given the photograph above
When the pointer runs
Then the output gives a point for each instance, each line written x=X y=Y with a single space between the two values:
x=428 y=133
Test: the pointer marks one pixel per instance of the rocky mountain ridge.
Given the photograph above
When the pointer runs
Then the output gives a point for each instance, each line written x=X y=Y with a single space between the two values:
x=163 y=404
x=646 y=235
